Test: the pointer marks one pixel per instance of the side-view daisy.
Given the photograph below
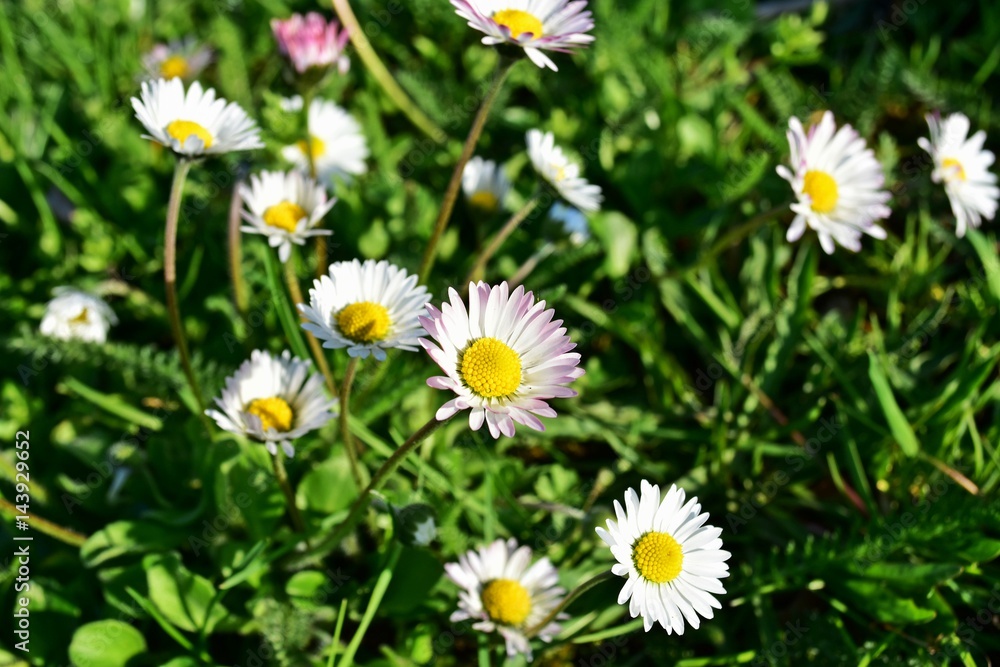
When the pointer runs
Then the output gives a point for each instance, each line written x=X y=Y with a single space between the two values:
x=367 y=308
x=964 y=167
x=76 y=315
x=838 y=183
x=183 y=59
x=273 y=400
x=502 y=594
x=503 y=357
x=285 y=207
x=534 y=25
x=311 y=41
x=552 y=165
x=672 y=559
x=339 y=148
x=485 y=185
x=194 y=123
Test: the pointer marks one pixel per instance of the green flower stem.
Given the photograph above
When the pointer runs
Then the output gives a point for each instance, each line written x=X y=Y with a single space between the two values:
x=335 y=644
x=381 y=585
x=289 y=322
x=531 y=264
x=317 y=350
x=286 y=488
x=236 y=253
x=451 y=194
x=382 y=75
x=170 y=276
x=345 y=427
x=573 y=595
x=307 y=98
x=477 y=270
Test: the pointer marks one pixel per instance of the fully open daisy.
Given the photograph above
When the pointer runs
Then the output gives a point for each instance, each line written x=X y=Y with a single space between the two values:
x=311 y=41
x=534 y=25
x=367 y=308
x=273 y=400
x=285 y=207
x=963 y=166
x=485 y=185
x=194 y=123
x=504 y=357
x=552 y=165
x=183 y=59
x=76 y=315
x=672 y=560
x=838 y=183
x=338 y=146
x=502 y=594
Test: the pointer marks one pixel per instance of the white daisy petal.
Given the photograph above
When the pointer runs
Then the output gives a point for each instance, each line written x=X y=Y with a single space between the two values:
x=339 y=148
x=485 y=185
x=285 y=207
x=183 y=59
x=76 y=315
x=563 y=175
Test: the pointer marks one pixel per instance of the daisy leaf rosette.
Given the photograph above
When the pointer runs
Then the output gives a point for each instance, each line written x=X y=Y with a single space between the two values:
x=503 y=356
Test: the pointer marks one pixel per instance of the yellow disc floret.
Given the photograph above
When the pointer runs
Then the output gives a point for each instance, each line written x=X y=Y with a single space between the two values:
x=484 y=200
x=506 y=601
x=822 y=190
x=174 y=66
x=182 y=129
x=658 y=557
x=364 y=322
x=315 y=144
x=275 y=413
x=519 y=22
x=284 y=215
x=953 y=169
x=82 y=318
x=490 y=368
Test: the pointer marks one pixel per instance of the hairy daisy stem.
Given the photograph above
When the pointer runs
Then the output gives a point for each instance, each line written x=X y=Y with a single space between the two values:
x=307 y=98
x=286 y=488
x=54 y=530
x=567 y=601
x=531 y=264
x=451 y=194
x=477 y=270
x=170 y=276
x=345 y=426
x=382 y=75
x=317 y=350
x=236 y=252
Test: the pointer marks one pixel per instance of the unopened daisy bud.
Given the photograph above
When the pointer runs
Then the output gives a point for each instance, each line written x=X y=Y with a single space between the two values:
x=550 y=25
x=838 y=183
x=556 y=169
x=415 y=525
x=183 y=59
x=193 y=123
x=963 y=166
x=485 y=185
x=76 y=315
x=672 y=560
x=312 y=42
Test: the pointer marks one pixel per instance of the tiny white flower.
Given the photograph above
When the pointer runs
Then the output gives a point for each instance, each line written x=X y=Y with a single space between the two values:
x=338 y=145
x=672 y=560
x=194 y=123
x=552 y=165
x=485 y=185
x=76 y=315
x=273 y=400
x=501 y=593
x=838 y=183
x=184 y=59
x=286 y=208
x=964 y=167
x=367 y=308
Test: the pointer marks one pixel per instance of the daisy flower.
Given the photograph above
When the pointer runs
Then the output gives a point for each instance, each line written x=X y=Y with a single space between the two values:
x=534 y=25
x=195 y=123
x=504 y=357
x=838 y=183
x=273 y=400
x=502 y=594
x=672 y=560
x=182 y=59
x=552 y=165
x=963 y=166
x=485 y=185
x=367 y=308
x=285 y=207
x=310 y=41
x=76 y=315
x=338 y=147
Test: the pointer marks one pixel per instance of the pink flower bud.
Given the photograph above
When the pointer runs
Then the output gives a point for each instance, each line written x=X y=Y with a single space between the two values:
x=311 y=41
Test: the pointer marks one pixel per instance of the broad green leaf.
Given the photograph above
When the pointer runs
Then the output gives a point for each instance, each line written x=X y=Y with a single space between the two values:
x=184 y=598
x=107 y=643
x=127 y=537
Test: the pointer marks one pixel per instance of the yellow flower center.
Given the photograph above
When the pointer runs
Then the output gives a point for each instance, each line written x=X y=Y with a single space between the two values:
x=364 y=322
x=82 y=318
x=658 y=557
x=953 y=169
x=284 y=215
x=506 y=601
x=822 y=190
x=182 y=129
x=315 y=144
x=275 y=413
x=484 y=199
x=174 y=66
x=519 y=22
x=491 y=369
